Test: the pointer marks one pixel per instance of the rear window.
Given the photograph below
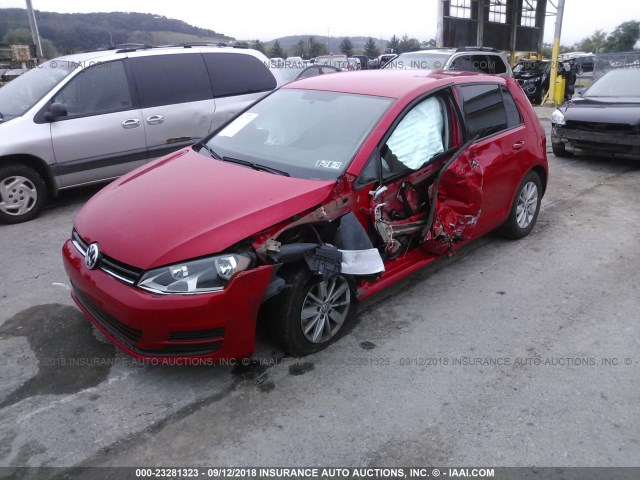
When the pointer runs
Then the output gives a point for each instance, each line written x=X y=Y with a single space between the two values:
x=237 y=74
x=484 y=110
x=171 y=79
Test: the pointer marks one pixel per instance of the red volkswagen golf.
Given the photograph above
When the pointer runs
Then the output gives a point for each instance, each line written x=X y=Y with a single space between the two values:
x=318 y=196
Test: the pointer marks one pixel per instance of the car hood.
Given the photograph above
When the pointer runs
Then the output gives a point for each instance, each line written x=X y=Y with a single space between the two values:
x=529 y=74
x=187 y=205
x=603 y=110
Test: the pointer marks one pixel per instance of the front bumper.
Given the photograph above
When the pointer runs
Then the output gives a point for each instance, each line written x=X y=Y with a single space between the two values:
x=218 y=325
x=605 y=143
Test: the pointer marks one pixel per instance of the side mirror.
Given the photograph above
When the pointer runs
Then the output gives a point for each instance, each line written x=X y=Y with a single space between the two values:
x=56 y=110
x=581 y=91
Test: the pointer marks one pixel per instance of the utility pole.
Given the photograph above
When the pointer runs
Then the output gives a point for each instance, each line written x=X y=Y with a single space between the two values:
x=34 y=28
x=556 y=50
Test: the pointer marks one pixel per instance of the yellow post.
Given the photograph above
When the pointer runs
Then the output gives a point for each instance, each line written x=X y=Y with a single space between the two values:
x=555 y=52
x=558 y=92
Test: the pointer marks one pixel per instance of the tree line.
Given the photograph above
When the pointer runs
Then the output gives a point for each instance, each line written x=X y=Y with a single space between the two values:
x=310 y=47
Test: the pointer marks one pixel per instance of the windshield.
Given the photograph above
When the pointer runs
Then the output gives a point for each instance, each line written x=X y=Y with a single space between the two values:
x=305 y=133
x=21 y=94
x=419 y=61
x=623 y=82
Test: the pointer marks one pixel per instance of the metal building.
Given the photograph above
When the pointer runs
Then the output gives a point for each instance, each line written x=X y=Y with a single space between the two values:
x=514 y=25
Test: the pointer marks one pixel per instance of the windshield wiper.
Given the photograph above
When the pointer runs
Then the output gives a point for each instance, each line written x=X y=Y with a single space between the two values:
x=255 y=166
x=211 y=152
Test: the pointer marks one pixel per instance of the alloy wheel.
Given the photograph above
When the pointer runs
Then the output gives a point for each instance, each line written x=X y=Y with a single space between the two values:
x=325 y=309
x=527 y=204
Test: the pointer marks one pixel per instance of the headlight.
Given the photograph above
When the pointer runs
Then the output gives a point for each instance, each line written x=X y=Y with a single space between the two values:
x=557 y=117
x=197 y=276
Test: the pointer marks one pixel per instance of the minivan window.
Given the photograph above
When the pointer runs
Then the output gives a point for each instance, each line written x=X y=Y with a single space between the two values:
x=98 y=89
x=484 y=110
x=233 y=74
x=171 y=79
x=24 y=92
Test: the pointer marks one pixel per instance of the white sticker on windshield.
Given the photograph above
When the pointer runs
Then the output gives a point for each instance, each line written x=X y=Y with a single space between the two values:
x=238 y=124
x=328 y=164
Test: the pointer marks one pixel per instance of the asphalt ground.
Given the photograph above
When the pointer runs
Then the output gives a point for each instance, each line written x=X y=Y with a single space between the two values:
x=511 y=353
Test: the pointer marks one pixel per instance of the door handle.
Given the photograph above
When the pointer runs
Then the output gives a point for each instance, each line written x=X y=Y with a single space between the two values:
x=155 y=119
x=518 y=145
x=131 y=123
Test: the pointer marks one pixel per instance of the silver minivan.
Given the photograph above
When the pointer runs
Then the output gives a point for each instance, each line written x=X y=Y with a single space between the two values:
x=92 y=117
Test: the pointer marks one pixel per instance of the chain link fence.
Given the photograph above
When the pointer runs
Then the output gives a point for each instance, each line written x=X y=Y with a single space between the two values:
x=608 y=61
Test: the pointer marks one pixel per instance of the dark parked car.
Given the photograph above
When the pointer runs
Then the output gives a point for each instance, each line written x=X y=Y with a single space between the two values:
x=323 y=193
x=584 y=63
x=364 y=61
x=533 y=77
x=605 y=119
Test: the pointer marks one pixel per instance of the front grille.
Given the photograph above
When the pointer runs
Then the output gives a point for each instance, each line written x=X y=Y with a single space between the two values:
x=118 y=330
x=121 y=271
x=600 y=127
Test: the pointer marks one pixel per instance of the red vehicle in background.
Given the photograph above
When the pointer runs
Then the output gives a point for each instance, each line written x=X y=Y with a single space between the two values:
x=323 y=193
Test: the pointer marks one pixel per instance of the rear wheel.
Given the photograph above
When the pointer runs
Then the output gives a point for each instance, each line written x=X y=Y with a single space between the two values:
x=525 y=208
x=312 y=313
x=22 y=193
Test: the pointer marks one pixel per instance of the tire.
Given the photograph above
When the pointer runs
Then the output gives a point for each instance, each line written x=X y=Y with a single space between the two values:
x=23 y=193
x=525 y=208
x=298 y=307
x=559 y=150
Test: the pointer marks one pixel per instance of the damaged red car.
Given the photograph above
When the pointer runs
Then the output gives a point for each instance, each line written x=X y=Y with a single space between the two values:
x=318 y=196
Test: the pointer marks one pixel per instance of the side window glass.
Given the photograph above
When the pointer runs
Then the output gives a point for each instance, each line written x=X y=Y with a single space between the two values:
x=237 y=74
x=101 y=88
x=496 y=64
x=171 y=79
x=484 y=111
x=471 y=63
x=419 y=136
x=513 y=114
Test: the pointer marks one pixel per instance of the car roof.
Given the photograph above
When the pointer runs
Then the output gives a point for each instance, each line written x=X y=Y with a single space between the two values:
x=391 y=83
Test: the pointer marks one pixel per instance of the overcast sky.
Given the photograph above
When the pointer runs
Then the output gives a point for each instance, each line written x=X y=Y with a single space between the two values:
x=266 y=20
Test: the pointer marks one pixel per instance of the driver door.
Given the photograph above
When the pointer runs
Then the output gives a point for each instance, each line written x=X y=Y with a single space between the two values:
x=431 y=192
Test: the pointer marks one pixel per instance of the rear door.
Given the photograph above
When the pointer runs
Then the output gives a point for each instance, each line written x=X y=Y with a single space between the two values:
x=492 y=117
x=102 y=136
x=176 y=100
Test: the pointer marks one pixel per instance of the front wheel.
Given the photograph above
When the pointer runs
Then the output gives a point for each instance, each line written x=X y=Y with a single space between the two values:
x=525 y=208
x=22 y=193
x=312 y=312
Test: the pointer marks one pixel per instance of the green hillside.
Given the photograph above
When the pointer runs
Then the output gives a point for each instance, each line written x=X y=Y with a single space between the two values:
x=76 y=32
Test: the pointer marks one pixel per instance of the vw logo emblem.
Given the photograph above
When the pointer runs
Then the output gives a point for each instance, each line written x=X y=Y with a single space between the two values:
x=92 y=256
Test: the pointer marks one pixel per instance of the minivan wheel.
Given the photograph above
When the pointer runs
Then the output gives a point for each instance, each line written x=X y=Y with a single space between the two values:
x=312 y=312
x=22 y=193
x=525 y=208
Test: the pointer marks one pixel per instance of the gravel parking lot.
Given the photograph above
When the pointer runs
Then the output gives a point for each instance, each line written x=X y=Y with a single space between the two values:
x=509 y=354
